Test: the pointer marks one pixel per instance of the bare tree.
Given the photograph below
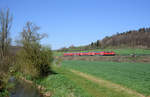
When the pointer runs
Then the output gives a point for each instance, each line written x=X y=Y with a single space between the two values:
x=5 y=25
x=33 y=59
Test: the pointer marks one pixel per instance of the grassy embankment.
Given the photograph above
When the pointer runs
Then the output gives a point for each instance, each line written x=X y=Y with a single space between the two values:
x=131 y=75
x=61 y=86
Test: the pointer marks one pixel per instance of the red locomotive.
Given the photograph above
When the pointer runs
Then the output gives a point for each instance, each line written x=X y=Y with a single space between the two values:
x=110 y=53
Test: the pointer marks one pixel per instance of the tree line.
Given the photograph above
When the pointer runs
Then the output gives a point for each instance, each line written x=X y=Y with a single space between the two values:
x=129 y=39
x=133 y=39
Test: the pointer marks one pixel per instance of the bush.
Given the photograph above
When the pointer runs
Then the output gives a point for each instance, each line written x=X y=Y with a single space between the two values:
x=45 y=61
x=34 y=61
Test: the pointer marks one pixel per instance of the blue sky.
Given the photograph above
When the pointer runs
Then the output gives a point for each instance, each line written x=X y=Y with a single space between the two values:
x=78 y=22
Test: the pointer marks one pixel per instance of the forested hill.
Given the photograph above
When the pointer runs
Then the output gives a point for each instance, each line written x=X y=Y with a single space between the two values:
x=134 y=38
x=130 y=39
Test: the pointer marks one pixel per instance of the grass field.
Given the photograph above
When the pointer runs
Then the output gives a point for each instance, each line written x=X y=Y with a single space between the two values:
x=135 y=76
x=68 y=84
x=117 y=51
x=98 y=79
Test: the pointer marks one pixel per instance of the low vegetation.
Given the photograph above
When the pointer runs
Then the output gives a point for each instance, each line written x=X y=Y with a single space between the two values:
x=61 y=86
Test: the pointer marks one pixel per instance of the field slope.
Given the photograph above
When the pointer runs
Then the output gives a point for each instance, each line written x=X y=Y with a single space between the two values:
x=108 y=84
x=96 y=87
x=131 y=75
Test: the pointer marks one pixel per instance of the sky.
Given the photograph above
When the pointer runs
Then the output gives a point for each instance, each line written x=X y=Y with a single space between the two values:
x=77 y=22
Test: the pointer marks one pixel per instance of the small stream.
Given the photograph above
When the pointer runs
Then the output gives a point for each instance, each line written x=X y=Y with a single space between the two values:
x=23 y=89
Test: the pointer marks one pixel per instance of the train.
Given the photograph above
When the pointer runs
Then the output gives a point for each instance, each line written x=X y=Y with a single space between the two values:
x=103 y=53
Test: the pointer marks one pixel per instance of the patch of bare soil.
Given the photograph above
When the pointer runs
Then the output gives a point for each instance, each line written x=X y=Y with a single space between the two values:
x=109 y=58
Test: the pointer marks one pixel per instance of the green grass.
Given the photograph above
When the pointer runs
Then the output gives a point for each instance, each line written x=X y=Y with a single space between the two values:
x=90 y=87
x=117 y=51
x=132 y=75
x=60 y=86
x=55 y=53
x=67 y=84
x=128 y=51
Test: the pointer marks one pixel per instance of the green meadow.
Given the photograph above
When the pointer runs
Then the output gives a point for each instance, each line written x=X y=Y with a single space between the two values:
x=135 y=76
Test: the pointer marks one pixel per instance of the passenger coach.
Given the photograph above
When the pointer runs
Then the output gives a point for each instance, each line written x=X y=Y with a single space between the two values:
x=104 y=53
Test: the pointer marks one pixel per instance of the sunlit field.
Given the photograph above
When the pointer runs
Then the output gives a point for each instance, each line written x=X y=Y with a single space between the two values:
x=135 y=76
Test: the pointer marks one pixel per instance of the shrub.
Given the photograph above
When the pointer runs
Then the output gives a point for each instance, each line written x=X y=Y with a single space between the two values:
x=33 y=59
x=45 y=61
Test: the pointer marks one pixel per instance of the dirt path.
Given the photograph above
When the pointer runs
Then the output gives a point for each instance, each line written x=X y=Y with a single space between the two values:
x=107 y=84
